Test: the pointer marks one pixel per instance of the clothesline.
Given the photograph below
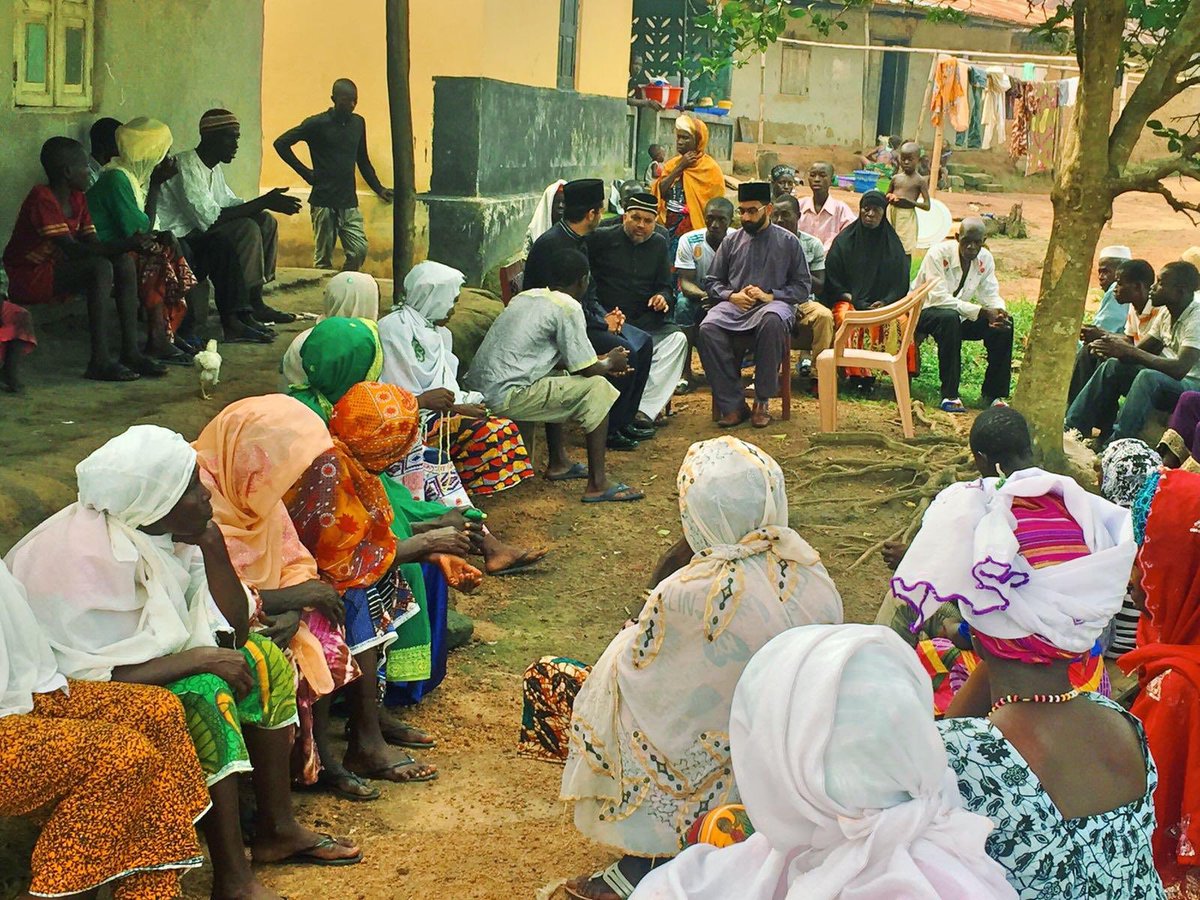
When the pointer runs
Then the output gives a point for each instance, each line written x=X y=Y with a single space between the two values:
x=972 y=54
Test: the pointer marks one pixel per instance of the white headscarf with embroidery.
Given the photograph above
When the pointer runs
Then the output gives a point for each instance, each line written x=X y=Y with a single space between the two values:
x=649 y=735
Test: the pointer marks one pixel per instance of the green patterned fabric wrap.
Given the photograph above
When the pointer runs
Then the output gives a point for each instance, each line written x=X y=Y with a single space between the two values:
x=215 y=717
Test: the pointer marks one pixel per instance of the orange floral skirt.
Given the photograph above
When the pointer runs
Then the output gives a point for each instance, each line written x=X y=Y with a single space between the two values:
x=881 y=338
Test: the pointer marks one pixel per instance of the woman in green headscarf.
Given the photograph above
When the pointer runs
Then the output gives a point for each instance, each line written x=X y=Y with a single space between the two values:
x=340 y=353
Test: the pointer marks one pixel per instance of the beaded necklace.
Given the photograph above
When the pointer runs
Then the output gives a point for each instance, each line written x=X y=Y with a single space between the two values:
x=1036 y=698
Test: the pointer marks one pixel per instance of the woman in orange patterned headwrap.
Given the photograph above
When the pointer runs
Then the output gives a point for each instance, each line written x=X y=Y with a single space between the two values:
x=689 y=180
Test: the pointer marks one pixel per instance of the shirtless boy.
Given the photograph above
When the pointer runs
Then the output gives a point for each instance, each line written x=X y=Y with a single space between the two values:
x=908 y=192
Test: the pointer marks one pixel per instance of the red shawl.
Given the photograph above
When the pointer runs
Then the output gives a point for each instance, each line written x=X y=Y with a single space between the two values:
x=1169 y=646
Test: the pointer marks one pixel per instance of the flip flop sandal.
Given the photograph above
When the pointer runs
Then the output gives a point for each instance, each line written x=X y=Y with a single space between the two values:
x=406 y=745
x=382 y=774
x=306 y=857
x=610 y=496
x=519 y=566
x=577 y=470
x=111 y=372
x=612 y=879
x=953 y=406
x=330 y=784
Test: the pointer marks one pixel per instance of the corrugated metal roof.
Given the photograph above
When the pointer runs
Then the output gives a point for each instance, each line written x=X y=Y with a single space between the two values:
x=1016 y=12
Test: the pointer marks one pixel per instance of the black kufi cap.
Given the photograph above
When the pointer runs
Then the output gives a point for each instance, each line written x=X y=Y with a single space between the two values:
x=587 y=192
x=755 y=190
x=643 y=201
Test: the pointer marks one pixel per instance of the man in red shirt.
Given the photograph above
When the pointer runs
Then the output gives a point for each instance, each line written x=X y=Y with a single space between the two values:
x=54 y=254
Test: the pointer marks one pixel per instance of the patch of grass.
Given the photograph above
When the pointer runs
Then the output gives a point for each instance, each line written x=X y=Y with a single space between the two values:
x=926 y=387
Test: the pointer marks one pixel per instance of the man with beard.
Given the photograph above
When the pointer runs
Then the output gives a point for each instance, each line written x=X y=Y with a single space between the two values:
x=633 y=278
x=756 y=280
x=583 y=208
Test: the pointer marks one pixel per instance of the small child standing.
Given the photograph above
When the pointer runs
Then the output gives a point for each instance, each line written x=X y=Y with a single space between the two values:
x=908 y=192
x=16 y=338
x=657 y=157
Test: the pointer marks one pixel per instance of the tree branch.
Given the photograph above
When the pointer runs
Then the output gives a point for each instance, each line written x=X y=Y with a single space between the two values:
x=1187 y=207
x=1144 y=178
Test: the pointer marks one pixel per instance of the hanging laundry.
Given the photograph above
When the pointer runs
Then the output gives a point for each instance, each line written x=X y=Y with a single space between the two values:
x=1043 y=124
x=948 y=92
x=993 y=107
x=1072 y=91
x=1018 y=140
x=960 y=112
x=1029 y=71
x=1011 y=95
x=976 y=82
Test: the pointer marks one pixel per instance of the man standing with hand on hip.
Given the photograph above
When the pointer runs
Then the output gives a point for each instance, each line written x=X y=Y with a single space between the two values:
x=337 y=142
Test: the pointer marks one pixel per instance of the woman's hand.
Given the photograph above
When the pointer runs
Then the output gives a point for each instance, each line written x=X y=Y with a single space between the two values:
x=469 y=410
x=460 y=574
x=439 y=400
x=445 y=540
x=320 y=596
x=282 y=628
x=228 y=665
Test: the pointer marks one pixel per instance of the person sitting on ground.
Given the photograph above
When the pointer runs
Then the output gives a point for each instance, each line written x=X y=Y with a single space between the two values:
x=1152 y=374
x=102 y=138
x=658 y=156
x=814 y=321
x=344 y=519
x=228 y=241
x=690 y=179
x=16 y=339
x=584 y=199
x=1125 y=467
x=248 y=461
x=866 y=269
x=908 y=192
x=757 y=278
x=54 y=254
x=632 y=276
x=541 y=330
x=1048 y=528
x=340 y=354
x=1134 y=279
x=693 y=258
x=1038 y=568
x=337 y=144
x=155 y=599
x=1111 y=315
x=845 y=782
x=1180 y=443
x=546 y=214
x=821 y=215
x=783 y=180
x=348 y=295
x=649 y=746
x=418 y=356
x=109 y=768
x=123 y=202
x=1166 y=658
x=965 y=305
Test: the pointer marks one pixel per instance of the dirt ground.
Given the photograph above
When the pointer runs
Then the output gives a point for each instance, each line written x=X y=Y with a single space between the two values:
x=491 y=826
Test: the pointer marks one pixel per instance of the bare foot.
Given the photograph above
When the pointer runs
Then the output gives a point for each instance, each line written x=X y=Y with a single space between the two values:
x=499 y=556
x=305 y=845
x=384 y=766
x=403 y=735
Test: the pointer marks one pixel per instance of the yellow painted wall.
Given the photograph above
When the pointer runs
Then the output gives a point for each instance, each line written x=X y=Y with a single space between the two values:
x=309 y=43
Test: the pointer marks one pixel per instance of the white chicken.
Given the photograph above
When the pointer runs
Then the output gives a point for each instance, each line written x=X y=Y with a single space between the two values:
x=208 y=361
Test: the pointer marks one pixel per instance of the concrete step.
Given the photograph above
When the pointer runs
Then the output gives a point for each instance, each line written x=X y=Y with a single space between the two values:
x=977 y=179
x=992 y=188
x=955 y=182
x=961 y=169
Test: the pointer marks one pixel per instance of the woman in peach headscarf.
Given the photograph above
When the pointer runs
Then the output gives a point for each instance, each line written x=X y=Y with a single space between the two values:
x=690 y=179
x=249 y=456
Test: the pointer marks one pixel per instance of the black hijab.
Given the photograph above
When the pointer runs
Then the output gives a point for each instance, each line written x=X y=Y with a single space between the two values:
x=869 y=264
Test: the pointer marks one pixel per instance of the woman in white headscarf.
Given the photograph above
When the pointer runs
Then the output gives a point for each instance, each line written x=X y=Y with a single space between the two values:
x=845 y=780
x=122 y=204
x=151 y=597
x=548 y=211
x=348 y=295
x=112 y=764
x=649 y=743
x=418 y=356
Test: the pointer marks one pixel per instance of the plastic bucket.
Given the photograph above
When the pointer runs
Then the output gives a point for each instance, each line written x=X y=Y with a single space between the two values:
x=865 y=180
x=666 y=95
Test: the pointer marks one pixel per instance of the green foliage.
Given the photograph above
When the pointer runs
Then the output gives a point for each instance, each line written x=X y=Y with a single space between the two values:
x=739 y=29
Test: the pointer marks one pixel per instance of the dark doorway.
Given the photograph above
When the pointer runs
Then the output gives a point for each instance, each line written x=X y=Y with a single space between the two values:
x=893 y=85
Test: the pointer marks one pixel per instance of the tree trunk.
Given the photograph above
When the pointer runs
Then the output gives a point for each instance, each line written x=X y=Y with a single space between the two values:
x=1082 y=199
x=400 y=109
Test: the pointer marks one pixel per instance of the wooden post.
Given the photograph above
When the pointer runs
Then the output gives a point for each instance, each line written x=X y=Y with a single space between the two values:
x=400 y=110
x=925 y=101
x=935 y=162
x=762 y=96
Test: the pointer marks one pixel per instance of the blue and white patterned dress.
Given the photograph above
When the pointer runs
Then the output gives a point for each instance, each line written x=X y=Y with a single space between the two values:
x=1046 y=857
